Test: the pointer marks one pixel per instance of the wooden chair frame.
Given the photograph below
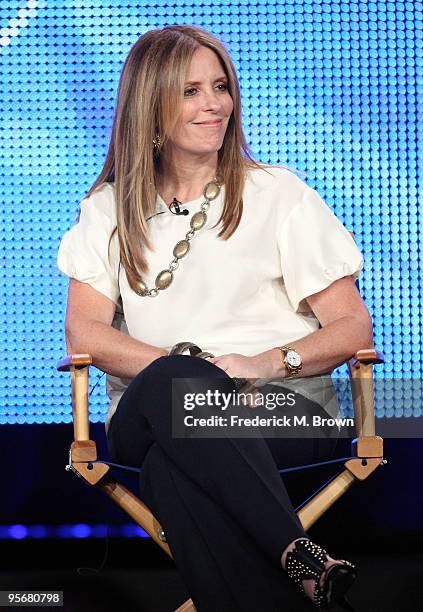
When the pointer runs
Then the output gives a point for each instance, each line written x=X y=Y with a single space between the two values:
x=366 y=449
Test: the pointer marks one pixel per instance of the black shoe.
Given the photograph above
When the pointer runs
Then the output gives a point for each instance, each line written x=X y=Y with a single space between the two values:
x=307 y=560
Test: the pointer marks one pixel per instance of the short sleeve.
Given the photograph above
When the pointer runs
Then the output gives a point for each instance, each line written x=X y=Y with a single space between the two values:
x=315 y=248
x=83 y=251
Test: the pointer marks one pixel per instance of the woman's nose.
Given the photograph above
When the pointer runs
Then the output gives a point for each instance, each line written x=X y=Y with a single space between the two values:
x=211 y=99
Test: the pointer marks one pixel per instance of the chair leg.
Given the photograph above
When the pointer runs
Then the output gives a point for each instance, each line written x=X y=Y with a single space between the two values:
x=370 y=457
x=324 y=498
x=133 y=506
x=143 y=516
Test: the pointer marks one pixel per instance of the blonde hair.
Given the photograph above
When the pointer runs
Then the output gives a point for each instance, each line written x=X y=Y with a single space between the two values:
x=156 y=68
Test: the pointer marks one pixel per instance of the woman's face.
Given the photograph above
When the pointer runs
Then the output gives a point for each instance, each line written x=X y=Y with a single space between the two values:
x=207 y=106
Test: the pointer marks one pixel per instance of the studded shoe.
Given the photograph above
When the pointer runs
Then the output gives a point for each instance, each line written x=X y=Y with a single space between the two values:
x=307 y=561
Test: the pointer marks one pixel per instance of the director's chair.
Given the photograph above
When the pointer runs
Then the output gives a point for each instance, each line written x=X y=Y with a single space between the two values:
x=366 y=448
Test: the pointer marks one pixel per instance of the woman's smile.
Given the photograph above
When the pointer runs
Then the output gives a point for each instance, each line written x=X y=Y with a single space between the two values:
x=209 y=124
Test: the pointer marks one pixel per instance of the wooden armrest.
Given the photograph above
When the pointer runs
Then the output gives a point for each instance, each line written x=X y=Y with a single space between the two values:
x=361 y=373
x=367 y=356
x=78 y=366
x=76 y=360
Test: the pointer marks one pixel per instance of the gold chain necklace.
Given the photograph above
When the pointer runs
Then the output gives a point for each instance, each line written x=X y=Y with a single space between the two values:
x=181 y=248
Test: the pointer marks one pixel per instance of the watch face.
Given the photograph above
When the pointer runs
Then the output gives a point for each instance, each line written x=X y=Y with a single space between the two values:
x=293 y=359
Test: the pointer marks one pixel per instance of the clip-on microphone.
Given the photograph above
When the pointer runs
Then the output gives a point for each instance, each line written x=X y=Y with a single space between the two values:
x=175 y=204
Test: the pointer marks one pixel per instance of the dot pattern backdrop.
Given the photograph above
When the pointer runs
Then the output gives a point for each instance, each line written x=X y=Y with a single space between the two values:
x=328 y=88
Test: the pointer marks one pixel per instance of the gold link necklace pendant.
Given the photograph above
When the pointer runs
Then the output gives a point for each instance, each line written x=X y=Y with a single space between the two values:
x=198 y=220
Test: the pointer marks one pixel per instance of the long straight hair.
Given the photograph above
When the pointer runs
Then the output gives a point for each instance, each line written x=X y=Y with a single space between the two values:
x=149 y=102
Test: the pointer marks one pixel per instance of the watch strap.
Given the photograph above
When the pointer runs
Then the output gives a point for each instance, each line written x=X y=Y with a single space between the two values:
x=292 y=371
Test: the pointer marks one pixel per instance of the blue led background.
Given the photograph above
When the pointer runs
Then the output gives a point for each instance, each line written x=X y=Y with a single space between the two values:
x=330 y=89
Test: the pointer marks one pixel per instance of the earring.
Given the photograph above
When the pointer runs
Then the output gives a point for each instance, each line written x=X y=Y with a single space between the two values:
x=157 y=143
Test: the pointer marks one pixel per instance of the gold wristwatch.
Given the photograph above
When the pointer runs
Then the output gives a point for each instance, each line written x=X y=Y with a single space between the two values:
x=291 y=360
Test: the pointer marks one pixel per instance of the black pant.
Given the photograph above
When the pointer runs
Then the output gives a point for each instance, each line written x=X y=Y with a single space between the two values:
x=221 y=501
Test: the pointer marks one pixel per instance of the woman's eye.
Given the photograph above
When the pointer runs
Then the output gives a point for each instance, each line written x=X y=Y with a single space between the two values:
x=188 y=92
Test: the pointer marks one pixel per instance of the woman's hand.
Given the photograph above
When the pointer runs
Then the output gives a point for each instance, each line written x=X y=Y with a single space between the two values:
x=241 y=366
x=256 y=368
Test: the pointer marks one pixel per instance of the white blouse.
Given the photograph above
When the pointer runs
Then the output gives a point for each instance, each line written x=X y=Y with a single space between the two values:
x=243 y=295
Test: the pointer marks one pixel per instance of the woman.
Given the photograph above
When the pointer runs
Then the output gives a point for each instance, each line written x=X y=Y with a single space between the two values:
x=262 y=276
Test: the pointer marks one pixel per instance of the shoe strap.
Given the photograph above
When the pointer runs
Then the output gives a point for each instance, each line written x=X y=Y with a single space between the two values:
x=306 y=561
x=319 y=592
